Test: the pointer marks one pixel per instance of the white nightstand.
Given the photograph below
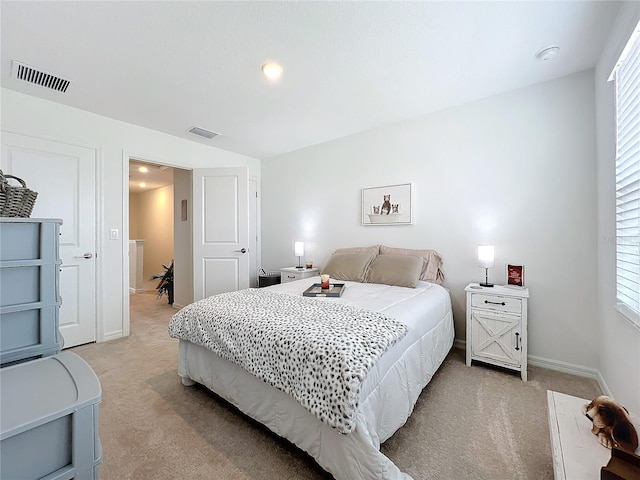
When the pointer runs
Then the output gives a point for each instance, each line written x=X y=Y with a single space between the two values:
x=289 y=274
x=497 y=326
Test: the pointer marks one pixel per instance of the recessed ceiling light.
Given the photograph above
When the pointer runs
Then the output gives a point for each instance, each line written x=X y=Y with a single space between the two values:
x=272 y=71
x=547 y=53
x=143 y=169
x=142 y=185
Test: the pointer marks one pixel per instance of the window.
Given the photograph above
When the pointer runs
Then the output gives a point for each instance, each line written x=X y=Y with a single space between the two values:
x=627 y=77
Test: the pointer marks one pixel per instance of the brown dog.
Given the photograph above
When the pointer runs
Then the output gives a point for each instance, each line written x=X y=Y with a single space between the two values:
x=611 y=423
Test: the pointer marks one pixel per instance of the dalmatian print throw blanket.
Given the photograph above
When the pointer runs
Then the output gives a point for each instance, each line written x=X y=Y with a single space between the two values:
x=315 y=350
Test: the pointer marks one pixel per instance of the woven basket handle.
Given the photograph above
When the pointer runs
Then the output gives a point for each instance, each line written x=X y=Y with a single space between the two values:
x=4 y=183
x=22 y=182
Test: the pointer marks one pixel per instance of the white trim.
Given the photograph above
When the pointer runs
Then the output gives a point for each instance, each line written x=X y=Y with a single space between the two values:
x=628 y=314
x=625 y=51
x=138 y=290
x=258 y=221
x=558 y=366
x=124 y=239
x=112 y=335
x=99 y=206
x=571 y=368
x=603 y=385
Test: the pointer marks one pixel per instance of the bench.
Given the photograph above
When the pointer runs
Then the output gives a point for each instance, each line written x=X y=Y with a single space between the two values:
x=577 y=453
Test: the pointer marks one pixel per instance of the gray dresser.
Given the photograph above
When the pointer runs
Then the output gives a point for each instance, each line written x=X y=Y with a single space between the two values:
x=48 y=400
x=29 y=288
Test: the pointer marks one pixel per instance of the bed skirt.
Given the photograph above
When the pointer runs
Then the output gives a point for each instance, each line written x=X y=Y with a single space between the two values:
x=355 y=456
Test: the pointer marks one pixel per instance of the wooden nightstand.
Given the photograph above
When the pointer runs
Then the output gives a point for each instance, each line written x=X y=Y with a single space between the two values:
x=497 y=326
x=289 y=274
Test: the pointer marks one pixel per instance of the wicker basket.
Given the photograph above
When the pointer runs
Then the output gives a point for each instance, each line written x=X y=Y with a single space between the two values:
x=15 y=201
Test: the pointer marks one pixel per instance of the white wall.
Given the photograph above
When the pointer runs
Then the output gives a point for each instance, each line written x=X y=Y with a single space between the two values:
x=115 y=142
x=619 y=341
x=515 y=170
x=133 y=216
x=183 y=247
x=154 y=224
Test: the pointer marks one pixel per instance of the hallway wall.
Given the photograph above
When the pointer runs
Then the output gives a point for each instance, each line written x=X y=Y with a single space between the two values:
x=151 y=220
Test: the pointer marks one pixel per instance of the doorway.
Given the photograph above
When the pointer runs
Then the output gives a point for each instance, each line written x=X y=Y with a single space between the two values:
x=151 y=224
x=161 y=213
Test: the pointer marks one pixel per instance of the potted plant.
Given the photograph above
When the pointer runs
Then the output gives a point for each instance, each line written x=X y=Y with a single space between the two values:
x=165 y=286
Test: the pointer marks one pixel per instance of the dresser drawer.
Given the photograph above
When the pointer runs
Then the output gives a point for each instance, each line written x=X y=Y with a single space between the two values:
x=496 y=302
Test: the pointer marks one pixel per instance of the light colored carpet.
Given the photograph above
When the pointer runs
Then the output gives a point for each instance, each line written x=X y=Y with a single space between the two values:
x=469 y=423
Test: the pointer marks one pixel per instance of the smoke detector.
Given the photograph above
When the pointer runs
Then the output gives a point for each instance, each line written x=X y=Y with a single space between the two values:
x=35 y=76
x=547 y=53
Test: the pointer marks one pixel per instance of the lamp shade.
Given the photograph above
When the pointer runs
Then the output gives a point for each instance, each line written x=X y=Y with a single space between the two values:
x=298 y=248
x=486 y=256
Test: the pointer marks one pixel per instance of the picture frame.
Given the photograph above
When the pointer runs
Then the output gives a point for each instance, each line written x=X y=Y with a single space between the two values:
x=388 y=205
x=515 y=275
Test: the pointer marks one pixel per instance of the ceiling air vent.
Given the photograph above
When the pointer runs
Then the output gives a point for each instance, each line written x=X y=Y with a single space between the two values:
x=202 y=132
x=32 y=75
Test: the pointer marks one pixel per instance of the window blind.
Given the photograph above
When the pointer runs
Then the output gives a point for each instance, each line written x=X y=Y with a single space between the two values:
x=627 y=75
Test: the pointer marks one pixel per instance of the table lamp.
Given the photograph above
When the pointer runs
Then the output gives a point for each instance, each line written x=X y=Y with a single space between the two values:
x=486 y=258
x=298 y=249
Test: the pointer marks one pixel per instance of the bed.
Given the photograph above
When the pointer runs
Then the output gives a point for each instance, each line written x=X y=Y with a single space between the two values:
x=389 y=389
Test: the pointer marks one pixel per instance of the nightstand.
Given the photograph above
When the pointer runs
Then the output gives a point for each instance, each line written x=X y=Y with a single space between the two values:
x=289 y=274
x=497 y=326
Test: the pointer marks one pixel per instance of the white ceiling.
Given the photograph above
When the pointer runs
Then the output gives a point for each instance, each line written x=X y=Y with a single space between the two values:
x=155 y=176
x=348 y=66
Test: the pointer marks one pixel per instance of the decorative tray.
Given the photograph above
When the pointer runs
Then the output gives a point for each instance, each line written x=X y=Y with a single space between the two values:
x=334 y=290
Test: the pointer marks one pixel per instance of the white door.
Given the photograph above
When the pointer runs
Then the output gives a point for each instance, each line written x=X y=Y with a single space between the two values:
x=64 y=177
x=220 y=231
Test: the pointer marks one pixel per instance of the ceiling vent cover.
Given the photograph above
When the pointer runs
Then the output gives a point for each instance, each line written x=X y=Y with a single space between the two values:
x=29 y=74
x=202 y=132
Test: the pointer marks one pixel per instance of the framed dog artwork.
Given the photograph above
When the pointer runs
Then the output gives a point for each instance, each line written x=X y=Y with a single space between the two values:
x=389 y=205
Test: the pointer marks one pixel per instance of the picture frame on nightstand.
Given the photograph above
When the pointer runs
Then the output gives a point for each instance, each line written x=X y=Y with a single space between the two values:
x=515 y=275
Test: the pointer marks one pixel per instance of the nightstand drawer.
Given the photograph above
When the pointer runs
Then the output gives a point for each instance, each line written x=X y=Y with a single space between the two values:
x=291 y=274
x=290 y=277
x=496 y=302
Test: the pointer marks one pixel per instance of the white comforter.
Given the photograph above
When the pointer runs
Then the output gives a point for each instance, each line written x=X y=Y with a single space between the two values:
x=317 y=352
x=388 y=393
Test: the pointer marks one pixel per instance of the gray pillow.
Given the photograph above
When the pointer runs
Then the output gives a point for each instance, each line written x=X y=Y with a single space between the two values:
x=348 y=266
x=397 y=270
x=432 y=262
x=375 y=249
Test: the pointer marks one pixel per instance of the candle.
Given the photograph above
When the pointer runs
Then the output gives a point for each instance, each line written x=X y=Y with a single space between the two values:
x=325 y=281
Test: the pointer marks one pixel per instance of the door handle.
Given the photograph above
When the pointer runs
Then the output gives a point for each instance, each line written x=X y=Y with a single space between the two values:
x=242 y=250
x=86 y=255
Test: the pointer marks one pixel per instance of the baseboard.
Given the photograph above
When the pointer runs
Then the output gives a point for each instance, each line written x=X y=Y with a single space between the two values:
x=111 y=336
x=603 y=385
x=558 y=366
x=461 y=344
x=140 y=290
